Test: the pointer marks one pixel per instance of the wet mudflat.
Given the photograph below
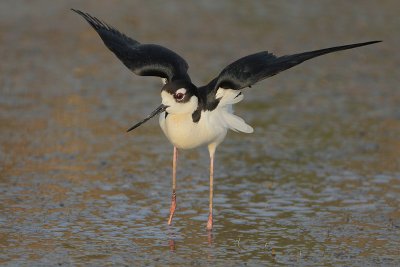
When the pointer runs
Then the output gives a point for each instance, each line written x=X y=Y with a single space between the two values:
x=318 y=183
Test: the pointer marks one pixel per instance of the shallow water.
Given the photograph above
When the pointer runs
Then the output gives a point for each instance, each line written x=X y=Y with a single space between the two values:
x=318 y=183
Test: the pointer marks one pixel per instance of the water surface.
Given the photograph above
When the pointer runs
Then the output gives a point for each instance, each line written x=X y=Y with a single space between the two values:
x=318 y=183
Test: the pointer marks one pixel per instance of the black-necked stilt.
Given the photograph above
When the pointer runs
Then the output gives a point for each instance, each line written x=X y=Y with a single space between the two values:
x=192 y=116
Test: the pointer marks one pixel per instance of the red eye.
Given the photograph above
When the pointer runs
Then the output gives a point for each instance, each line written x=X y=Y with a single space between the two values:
x=179 y=96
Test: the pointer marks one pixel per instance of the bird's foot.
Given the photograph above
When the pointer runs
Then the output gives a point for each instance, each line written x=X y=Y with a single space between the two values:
x=172 y=209
x=210 y=221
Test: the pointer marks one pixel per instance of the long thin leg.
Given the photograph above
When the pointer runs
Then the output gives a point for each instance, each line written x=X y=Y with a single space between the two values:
x=210 y=217
x=173 y=201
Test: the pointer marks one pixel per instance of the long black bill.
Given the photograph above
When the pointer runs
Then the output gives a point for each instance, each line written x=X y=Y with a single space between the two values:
x=157 y=111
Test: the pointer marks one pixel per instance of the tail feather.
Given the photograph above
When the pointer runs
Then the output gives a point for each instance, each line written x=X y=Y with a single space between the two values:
x=227 y=98
x=236 y=123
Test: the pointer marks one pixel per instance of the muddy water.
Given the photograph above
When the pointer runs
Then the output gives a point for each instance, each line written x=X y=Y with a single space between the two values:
x=318 y=183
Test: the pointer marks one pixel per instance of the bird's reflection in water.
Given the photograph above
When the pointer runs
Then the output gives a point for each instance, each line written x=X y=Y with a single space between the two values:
x=209 y=238
x=172 y=245
x=171 y=240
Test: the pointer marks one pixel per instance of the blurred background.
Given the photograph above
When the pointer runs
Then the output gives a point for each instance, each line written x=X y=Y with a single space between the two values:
x=318 y=183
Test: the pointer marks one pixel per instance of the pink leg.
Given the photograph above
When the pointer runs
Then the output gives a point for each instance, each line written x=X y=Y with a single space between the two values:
x=173 y=202
x=210 y=218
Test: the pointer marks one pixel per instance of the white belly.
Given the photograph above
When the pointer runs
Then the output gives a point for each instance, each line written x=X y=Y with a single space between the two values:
x=183 y=133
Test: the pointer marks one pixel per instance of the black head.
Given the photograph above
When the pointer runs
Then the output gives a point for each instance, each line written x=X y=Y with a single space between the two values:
x=180 y=96
x=180 y=90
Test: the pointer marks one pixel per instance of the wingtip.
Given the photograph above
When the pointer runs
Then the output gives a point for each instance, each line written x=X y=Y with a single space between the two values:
x=374 y=42
x=79 y=12
x=76 y=10
x=367 y=43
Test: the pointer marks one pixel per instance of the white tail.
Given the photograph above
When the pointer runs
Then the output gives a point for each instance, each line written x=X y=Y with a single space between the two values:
x=228 y=97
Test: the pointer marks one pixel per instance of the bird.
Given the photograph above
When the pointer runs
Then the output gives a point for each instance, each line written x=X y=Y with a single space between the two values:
x=192 y=116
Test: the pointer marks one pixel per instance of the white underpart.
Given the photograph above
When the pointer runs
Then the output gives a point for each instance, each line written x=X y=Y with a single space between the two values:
x=212 y=127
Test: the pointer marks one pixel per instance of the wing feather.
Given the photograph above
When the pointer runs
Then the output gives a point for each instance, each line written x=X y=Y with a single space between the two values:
x=256 y=67
x=142 y=59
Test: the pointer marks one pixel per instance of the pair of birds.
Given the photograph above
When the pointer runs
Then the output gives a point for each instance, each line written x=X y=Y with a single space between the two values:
x=192 y=116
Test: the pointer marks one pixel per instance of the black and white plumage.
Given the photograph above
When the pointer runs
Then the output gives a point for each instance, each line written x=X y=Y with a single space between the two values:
x=192 y=116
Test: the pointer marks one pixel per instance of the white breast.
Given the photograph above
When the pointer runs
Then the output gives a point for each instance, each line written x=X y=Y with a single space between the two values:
x=183 y=133
x=212 y=127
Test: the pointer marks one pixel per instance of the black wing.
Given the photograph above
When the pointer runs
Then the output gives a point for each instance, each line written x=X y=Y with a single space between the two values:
x=256 y=67
x=142 y=59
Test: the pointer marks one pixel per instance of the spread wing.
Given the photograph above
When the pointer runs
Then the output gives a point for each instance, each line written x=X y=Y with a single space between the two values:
x=142 y=59
x=256 y=67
